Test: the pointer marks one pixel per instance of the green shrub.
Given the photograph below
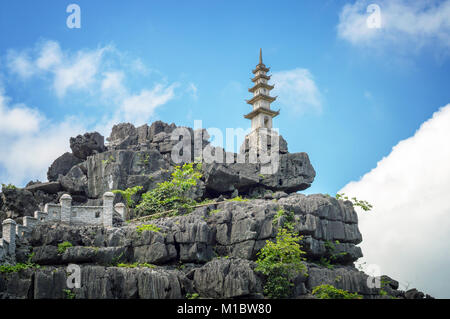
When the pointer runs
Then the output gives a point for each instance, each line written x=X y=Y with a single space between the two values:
x=63 y=246
x=69 y=294
x=238 y=199
x=330 y=292
x=281 y=261
x=192 y=296
x=171 y=195
x=330 y=258
x=127 y=194
x=149 y=227
x=9 y=186
x=365 y=205
x=214 y=211
x=287 y=218
x=7 y=268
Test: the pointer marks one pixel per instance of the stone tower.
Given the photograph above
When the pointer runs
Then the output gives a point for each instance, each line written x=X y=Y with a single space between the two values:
x=261 y=114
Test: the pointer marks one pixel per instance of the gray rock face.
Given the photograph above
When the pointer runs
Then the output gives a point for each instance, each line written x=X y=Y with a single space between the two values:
x=142 y=156
x=295 y=173
x=61 y=166
x=235 y=229
x=97 y=282
x=228 y=278
x=210 y=251
x=121 y=169
x=49 y=188
x=18 y=202
x=88 y=144
x=122 y=136
x=75 y=181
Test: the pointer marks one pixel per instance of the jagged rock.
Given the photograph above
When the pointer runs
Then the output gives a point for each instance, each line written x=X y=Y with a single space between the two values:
x=75 y=181
x=227 y=278
x=17 y=285
x=342 y=277
x=121 y=169
x=50 y=283
x=86 y=145
x=19 y=202
x=158 y=127
x=49 y=188
x=210 y=250
x=390 y=282
x=62 y=165
x=295 y=173
x=122 y=136
x=414 y=294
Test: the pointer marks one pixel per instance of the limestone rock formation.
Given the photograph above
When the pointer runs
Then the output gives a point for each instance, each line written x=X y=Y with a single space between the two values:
x=85 y=145
x=62 y=165
x=210 y=251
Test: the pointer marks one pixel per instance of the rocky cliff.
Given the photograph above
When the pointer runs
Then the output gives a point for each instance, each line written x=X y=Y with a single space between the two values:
x=210 y=251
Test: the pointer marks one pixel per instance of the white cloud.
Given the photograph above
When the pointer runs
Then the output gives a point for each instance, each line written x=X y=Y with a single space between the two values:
x=78 y=74
x=17 y=119
x=140 y=107
x=68 y=71
x=297 y=90
x=29 y=143
x=20 y=63
x=410 y=23
x=50 y=55
x=192 y=90
x=408 y=232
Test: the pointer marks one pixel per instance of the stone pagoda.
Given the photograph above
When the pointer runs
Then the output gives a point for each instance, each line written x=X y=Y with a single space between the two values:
x=261 y=114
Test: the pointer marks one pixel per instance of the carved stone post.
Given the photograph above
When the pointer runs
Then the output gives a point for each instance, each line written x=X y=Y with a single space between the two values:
x=9 y=235
x=66 y=208
x=108 y=207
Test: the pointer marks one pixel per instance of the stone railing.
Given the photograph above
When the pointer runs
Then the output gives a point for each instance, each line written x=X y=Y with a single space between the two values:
x=64 y=213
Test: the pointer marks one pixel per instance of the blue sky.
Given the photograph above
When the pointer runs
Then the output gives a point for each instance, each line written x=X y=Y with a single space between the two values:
x=369 y=101
x=348 y=94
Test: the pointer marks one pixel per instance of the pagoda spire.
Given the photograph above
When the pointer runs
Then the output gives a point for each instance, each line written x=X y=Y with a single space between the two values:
x=261 y=115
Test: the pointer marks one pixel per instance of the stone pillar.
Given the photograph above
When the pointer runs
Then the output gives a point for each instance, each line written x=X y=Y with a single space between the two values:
x=66 y=208
x=121 y=209
x=108 y=208
x=29 y=221
x=9 y=234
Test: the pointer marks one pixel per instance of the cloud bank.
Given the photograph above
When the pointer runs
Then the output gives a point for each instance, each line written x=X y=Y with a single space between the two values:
x=297 y=90
x=29 y=141
x=413 y=24
x=408 y=232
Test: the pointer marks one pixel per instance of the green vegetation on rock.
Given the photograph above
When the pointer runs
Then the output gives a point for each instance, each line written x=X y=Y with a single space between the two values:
x=281 y=261
x=63 y=246
x=330 y=292
x=173 y=194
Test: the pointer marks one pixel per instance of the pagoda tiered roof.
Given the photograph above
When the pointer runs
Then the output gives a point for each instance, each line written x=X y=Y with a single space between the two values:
x=261 y=67
x=261 y=97
x=261 y=85
x=261 y=76
x=263 y=110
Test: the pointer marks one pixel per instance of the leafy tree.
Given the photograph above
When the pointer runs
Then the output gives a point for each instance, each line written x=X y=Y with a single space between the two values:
x=365 y=205
x=173 y=194
x=127 y=194
x=281 y=262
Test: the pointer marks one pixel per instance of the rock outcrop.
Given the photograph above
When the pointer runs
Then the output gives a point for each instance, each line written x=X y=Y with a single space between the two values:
x=210 y=251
